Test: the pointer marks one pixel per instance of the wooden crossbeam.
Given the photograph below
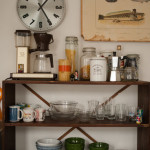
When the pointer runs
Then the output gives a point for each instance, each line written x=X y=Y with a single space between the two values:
x=36 y=94
x=66 y=133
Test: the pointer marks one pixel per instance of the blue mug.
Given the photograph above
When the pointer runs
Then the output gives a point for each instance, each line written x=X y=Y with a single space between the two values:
x=14 y=113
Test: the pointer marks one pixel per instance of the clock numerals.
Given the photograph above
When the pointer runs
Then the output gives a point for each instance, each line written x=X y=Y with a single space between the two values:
x=58 y=7
x=32 y=21
x=40 y=24
x=56 y=16
x=23 y=7
x=26 y=15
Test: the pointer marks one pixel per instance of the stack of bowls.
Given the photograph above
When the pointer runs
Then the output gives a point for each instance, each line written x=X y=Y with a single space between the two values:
x=99 y=146
x=49 y=144
x=74 y=143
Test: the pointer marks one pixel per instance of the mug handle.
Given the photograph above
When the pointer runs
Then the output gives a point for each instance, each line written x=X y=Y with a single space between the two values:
x=21 y=114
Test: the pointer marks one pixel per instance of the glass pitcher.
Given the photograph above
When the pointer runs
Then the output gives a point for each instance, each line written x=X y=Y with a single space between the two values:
x=132 y=67
x=42 y=63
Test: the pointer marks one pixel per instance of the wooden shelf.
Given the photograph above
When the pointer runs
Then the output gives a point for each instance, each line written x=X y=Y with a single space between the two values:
x=76 y=123
x=76 y=82
x=9 y=98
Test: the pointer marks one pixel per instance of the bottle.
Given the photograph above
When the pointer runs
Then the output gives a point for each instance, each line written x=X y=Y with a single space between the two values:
x=0 y=103
x=88 y=53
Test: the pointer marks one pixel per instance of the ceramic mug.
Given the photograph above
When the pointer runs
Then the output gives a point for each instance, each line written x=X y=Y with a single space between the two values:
x=28 y=114
x=40 y=114
x=14 y=113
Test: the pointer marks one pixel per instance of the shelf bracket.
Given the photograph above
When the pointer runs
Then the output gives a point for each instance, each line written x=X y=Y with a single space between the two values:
x=115 y=94
x=81 y=130
x=66 y=133
x=36 y=94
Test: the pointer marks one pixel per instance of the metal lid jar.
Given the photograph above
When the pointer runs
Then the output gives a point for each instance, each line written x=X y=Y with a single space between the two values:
x=88 y=53
x=98 y=69
x=71 y=49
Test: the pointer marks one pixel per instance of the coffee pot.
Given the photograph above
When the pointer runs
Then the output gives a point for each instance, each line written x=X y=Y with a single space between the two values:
x=114 y=73
x=131 y=67
x=43 y=63
x=43 y=60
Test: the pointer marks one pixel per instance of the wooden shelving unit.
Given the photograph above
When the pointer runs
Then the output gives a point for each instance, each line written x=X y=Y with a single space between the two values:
x=8 y=133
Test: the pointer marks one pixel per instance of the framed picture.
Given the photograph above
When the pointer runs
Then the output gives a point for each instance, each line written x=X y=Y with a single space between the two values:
x=115 y=20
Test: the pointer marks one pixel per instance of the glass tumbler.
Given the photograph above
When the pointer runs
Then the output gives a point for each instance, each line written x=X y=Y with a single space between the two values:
x=92 y=104
x=132 y=112
x=111 y=113
x=120 y=112
x=100 y=112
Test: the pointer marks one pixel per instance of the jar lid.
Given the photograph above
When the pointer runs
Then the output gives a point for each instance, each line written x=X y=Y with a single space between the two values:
x=71 y=38
x=23 y=32
x=89 y=49
x=98 y=58
x=133 y=55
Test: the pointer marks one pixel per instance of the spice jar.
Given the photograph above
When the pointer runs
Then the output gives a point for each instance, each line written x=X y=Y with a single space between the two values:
x=64 y=70
x=71 y=52
x=88 y=53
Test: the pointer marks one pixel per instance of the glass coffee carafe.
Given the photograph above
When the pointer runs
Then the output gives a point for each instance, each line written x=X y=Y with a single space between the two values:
x=43 y=63
x=131 y=67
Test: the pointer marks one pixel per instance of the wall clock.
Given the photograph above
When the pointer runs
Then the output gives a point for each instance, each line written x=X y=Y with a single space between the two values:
x=41 y=15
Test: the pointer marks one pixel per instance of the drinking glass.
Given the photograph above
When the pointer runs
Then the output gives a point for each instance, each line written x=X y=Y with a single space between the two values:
x=92 y=104
x=121 y=112
x=132 y=112
x=107 y=110
x=111 y=113
x=100 y=112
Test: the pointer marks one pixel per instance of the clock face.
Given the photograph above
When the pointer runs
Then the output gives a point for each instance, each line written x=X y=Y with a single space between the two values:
x=41 y=15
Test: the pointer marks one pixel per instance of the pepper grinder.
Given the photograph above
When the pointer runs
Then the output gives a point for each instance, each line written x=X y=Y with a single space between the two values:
x=115 y=73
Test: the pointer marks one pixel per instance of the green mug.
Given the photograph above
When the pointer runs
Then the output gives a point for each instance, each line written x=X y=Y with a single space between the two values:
x=99 y=146
x=74 y=143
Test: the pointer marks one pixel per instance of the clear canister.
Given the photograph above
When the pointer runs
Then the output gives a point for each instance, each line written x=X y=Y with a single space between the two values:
x=88 y=53
x=98 y=69
x=72 y=52
x=22 y=38
x=64 y=70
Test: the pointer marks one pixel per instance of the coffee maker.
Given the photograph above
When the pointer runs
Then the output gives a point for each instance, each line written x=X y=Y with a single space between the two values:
x=115 y=73
x=43 y=62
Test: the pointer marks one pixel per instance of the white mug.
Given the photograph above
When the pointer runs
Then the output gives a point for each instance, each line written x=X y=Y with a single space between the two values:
x=28 y=114
x=40 y=114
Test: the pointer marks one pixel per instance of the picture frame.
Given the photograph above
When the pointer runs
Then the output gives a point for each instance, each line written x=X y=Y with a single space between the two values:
x=115 y=20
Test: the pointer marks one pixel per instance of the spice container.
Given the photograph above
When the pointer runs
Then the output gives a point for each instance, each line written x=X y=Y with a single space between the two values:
x=88 y=53
x=64 y=70
x=22 y=38
x=98 y=69
x=71 y=52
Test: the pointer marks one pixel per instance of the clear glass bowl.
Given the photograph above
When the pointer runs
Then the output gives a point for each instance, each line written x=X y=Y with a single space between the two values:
x=63 y=110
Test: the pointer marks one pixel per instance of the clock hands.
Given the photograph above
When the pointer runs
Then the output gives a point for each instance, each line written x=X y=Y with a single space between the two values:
x=42 y=4
x=48 y=20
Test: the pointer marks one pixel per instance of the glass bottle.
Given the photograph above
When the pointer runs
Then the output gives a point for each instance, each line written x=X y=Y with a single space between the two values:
x=88 y=53
x=71 y=49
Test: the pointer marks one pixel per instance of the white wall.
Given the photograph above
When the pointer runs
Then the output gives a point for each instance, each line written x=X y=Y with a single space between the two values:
x=123 y=138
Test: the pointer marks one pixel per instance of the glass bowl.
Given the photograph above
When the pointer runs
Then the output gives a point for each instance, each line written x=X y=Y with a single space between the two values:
x=63 y=110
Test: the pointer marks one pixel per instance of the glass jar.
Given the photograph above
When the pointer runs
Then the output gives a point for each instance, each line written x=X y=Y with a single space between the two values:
x=88 y=53
x=23 y=38
x=71 y=49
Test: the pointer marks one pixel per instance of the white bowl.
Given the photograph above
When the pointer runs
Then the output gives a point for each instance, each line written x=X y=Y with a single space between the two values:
x=48 y=142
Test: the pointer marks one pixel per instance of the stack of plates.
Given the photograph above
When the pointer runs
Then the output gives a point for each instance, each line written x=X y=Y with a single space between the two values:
x=49 y=144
